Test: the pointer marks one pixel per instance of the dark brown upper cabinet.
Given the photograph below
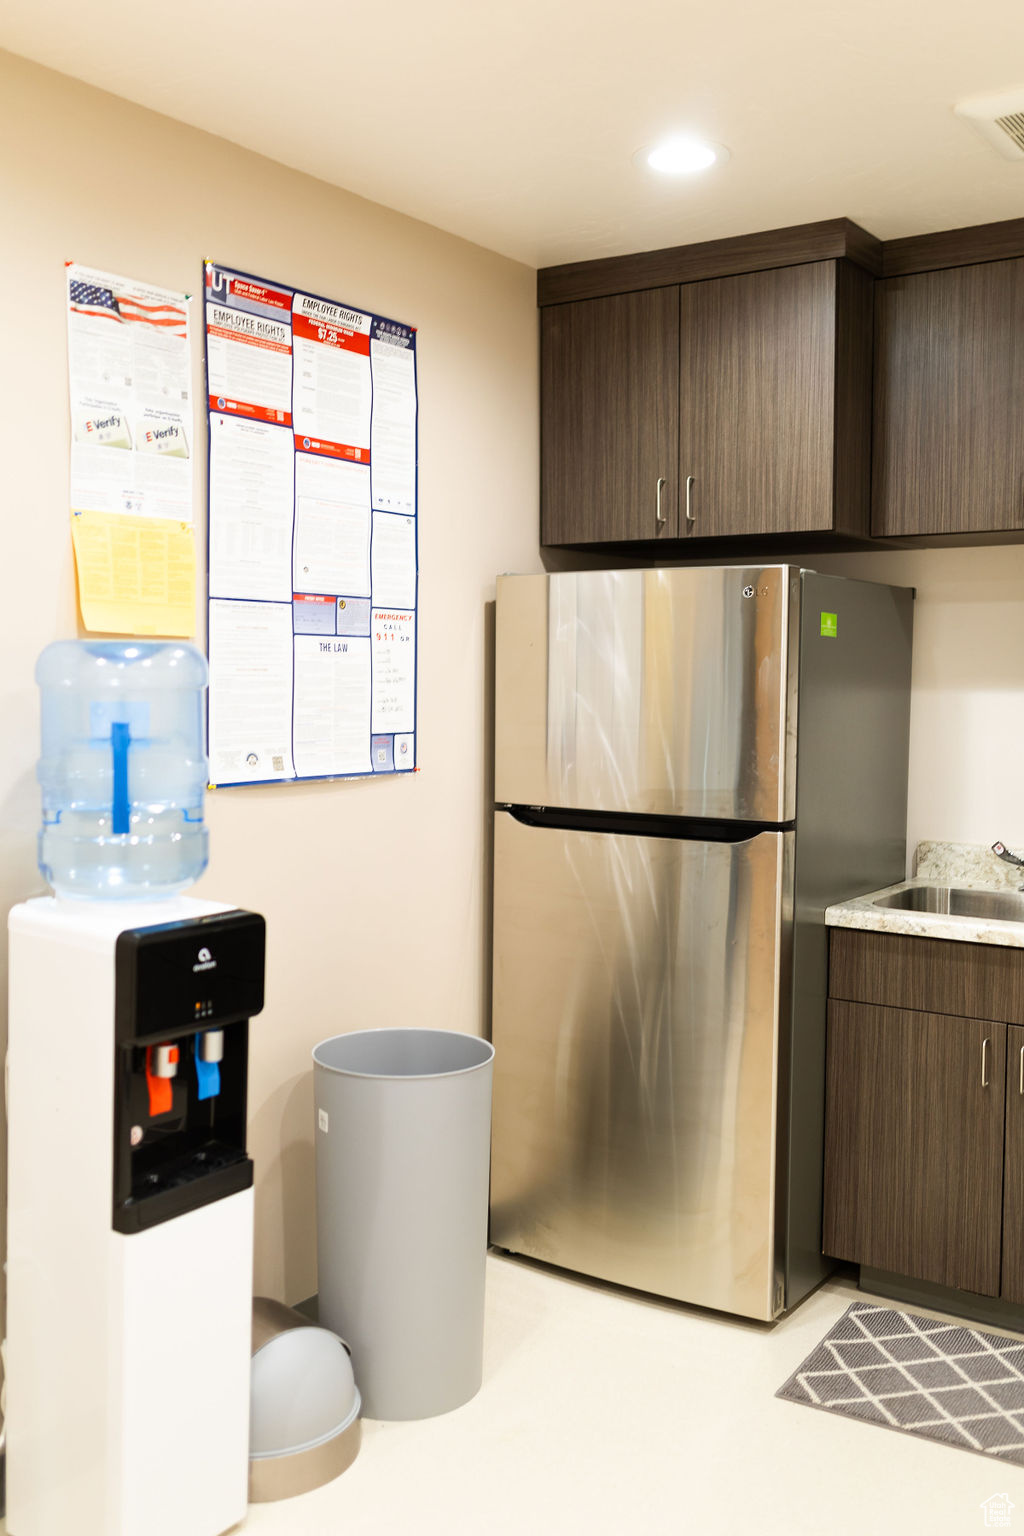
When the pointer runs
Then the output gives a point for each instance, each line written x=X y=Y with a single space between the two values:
x=725 y=393
x=722 y=391
x=610 y=418
x=775 y=372
x=949 y=379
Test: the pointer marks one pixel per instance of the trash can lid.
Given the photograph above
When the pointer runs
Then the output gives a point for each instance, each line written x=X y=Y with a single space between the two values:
x=303 y=1392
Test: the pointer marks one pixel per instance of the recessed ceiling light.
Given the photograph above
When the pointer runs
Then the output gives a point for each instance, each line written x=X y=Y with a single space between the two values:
x=681 y=155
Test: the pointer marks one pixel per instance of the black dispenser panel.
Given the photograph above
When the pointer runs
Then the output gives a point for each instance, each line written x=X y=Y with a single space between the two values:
x=177 y=975
x=184 y=994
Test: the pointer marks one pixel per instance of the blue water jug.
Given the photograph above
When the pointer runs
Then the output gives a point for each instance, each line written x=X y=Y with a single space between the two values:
x=123 y=769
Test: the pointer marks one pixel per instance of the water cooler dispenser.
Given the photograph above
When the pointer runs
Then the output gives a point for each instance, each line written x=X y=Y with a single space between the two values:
x=130 y=1204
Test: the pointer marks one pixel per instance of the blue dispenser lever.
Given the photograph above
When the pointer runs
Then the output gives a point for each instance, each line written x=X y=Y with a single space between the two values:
x=207 y=1073
x=120 y=741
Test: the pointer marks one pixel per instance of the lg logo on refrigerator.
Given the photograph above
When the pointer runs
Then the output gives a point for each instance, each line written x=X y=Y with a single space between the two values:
x=755 y=591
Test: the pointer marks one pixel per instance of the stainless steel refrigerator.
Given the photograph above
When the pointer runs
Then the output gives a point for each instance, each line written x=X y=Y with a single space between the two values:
x=690 y=765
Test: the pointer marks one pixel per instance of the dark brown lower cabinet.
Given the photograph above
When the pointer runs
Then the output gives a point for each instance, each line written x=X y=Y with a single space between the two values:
x=914 y=1145
x=1012 y=1288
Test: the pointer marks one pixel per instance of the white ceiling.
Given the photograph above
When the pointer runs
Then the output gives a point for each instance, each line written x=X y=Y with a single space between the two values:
x=514 y=125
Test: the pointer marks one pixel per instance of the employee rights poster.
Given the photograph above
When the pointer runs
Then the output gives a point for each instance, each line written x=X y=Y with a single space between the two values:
x=313 y=535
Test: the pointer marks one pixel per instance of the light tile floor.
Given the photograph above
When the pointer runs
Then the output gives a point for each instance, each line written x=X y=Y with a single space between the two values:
x=604 y=1413
x=607 y=1414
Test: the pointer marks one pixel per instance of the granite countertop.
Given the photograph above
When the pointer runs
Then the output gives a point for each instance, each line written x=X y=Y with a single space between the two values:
x=968 y=866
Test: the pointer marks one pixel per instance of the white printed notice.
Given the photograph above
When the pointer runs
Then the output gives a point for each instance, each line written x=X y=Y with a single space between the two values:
x=313 y=535
x=129 y=375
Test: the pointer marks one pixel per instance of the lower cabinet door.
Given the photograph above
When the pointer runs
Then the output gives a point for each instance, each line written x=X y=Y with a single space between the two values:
x=1013 y=1173
x=914 y=1144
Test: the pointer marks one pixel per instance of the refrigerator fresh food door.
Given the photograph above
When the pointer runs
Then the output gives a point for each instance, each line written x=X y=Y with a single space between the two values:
x=649 y=691
x=637 y=983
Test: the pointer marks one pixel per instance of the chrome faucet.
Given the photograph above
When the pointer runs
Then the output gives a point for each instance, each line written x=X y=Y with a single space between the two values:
x=1002 y=852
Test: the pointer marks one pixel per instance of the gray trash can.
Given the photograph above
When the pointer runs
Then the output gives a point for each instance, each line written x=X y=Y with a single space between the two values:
x=402 y=1157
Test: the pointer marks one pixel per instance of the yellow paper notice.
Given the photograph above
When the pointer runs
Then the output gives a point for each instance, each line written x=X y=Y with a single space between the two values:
x=136 y=575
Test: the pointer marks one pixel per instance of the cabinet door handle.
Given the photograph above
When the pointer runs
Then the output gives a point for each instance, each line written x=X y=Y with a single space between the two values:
x=984 y=1062
x=660 y=518
x=690 y=518
x=1021 y=1079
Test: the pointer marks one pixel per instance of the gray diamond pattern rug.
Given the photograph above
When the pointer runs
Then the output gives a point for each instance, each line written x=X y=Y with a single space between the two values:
x=922 y=1376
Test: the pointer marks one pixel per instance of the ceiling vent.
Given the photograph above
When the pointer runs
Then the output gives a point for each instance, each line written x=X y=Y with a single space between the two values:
x=999 y=119
x=1013 y=124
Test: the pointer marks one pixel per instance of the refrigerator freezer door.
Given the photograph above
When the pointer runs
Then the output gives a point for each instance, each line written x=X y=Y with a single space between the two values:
x=649 y=691
x=636 y=997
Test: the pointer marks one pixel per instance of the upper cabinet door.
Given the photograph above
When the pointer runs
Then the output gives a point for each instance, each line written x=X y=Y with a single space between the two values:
x=609 y=418
x=949 y=380
x=758 y=359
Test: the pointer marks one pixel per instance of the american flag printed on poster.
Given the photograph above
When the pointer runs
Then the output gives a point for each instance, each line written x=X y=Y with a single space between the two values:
x=91 y=299
x=167 y=317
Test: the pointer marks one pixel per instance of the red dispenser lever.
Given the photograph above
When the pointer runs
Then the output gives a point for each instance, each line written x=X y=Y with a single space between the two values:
x=161 y=1069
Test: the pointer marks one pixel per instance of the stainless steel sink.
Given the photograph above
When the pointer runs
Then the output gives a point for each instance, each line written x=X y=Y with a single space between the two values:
x=1000 y=906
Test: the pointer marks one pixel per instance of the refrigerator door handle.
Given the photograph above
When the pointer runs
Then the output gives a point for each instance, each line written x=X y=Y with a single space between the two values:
x=693 y=829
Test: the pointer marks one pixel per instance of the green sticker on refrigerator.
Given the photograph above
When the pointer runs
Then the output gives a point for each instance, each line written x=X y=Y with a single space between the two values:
x=830 y=625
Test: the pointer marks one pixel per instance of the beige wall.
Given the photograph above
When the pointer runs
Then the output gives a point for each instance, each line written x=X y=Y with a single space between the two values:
x=375 y=891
